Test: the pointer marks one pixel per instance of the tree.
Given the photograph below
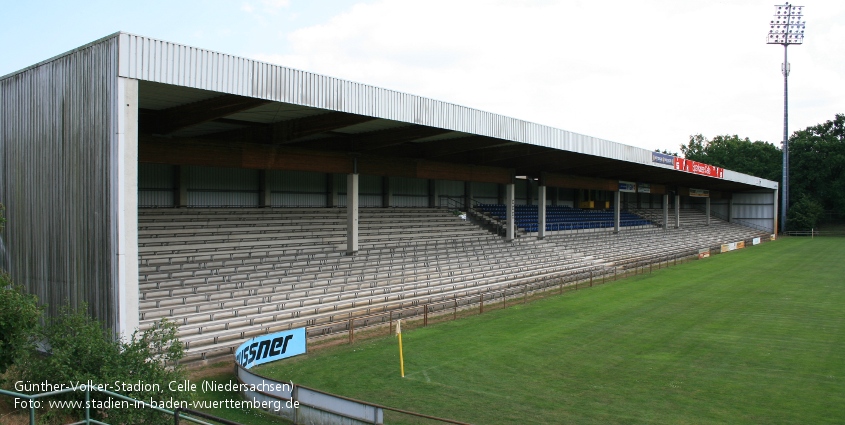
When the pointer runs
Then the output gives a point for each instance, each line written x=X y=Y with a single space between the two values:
x=760 y=159
x=804 y=214
x=19 y=315
x=79 y=348
x=666 y=151
x=817 y=164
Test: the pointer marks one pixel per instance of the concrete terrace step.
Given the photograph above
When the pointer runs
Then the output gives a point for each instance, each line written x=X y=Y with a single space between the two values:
x=167 y=297
x=270 y=322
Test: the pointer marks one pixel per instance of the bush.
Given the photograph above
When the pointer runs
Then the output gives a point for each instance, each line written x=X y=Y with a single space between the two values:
x=80 y=349
x=804 y=214
x=19 y=315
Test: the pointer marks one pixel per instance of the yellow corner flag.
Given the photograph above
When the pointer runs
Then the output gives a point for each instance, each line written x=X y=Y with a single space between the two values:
x=401 y=359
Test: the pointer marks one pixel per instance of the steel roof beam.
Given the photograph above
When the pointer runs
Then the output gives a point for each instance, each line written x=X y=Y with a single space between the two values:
x=169 y=120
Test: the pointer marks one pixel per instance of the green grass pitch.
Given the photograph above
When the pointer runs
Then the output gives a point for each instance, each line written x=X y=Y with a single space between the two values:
x=750 y=337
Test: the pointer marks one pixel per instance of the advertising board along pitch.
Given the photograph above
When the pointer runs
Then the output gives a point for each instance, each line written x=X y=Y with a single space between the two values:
x=272 y=347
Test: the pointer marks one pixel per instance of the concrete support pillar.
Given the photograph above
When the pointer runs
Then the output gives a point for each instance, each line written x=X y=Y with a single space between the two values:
x=181 y=193
x=467 y=195
x=731 y=210
x=541 y=212
x=351 y=214
x=677 y=211
x=433 y=196
x=617 y=210
x=666 y=212
x=331 y=191
x=775 y=215
x=510 y=210
x=125 y=168
x=264 y=195
x=386 y=192
x=707 y=209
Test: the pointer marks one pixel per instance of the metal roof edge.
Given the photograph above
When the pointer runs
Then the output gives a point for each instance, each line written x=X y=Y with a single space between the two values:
x=634 y=154
x=61 y=55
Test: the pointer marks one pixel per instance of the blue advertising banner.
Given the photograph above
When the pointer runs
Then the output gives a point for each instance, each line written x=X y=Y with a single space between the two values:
x=627 y=186
x=663 y=159
x=269 y=348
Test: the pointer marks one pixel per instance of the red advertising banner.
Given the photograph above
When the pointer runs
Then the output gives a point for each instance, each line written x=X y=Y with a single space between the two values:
x=694 y=167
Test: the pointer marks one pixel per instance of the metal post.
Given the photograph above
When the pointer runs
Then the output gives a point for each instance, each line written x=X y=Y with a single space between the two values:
x=785 y=194
x=677 y=211
x=425 y=316
x=481 y=305
x=390 y=324
x=352 y=213
x=617 y=208
x=510 y=210
x=351 y=330
x=88 y=405
x=541 y=211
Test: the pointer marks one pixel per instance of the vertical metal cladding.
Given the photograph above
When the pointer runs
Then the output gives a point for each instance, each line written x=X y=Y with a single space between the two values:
x=719 y=207
x=485 y=193
x=222 y=187
x=57 y=144
x=410 y=192
x=297 y=188
x=370 y=191
x=156 y=184
x=755 y=208
x=452 y=188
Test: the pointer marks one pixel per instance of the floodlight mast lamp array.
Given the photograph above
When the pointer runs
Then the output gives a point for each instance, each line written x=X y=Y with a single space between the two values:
x=786 y=28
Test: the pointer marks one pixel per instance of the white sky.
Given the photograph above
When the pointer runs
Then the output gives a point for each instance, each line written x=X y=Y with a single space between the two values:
x=648 y=73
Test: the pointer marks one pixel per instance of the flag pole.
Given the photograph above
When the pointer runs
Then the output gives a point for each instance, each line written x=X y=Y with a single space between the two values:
x=401 y=358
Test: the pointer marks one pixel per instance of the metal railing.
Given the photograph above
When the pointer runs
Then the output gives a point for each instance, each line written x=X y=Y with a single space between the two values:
x=306 y=405
x=575 y=278
x=475 y=216
x=814 y=232
x=34 y=401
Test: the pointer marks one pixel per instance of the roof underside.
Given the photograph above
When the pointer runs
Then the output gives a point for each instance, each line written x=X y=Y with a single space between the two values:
x=181 y=112
x=193 y=94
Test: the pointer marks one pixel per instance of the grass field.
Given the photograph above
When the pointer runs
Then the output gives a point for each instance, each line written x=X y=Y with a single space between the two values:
x=754 y=336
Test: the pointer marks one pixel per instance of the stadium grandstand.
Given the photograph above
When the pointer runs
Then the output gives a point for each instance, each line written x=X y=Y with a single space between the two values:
x=154 y=180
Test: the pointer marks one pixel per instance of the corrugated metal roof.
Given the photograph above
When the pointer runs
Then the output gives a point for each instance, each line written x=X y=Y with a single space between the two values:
x=149 y=59
x=158 y=61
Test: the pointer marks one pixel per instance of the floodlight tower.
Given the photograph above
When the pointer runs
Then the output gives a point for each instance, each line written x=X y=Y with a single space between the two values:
x=786 y=28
